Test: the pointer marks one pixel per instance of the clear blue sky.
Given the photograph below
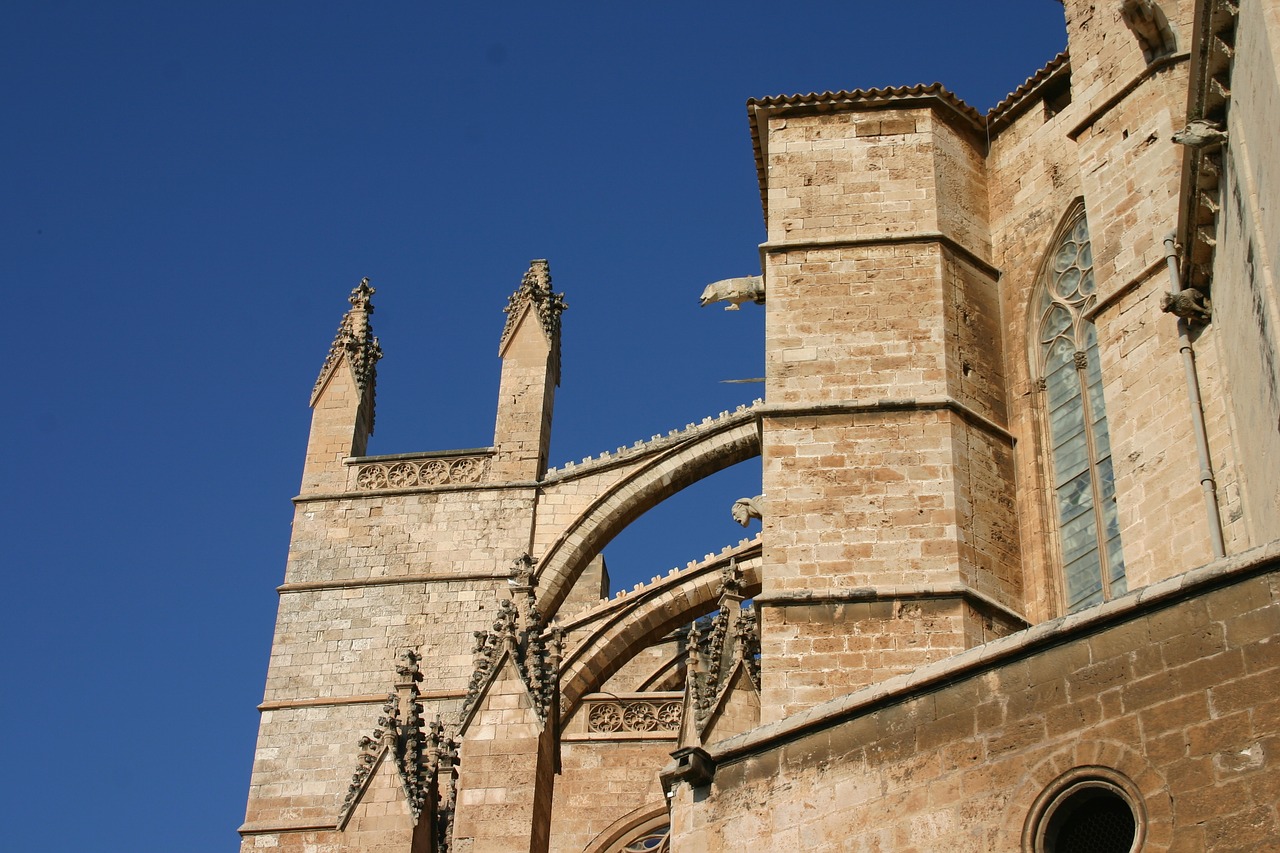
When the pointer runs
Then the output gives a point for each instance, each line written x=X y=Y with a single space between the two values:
x=189 y=192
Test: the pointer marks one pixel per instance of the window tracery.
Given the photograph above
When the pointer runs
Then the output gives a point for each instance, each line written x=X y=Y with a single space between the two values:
x=652 y=841
x=1070 y=377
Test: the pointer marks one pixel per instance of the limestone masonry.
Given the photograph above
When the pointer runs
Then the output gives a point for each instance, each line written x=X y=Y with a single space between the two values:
x=1016 y=581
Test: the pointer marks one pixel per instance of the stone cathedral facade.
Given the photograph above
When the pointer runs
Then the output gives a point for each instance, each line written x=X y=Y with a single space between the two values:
x=1015 y=582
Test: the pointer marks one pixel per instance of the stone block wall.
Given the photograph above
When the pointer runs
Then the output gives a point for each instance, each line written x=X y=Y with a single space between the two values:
x=599 y=783
x=886 y=463
x=1177 y=698
x=339 y=429
x=1246 y=295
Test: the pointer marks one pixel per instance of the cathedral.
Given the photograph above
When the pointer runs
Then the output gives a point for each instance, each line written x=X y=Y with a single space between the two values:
x=1013 y=580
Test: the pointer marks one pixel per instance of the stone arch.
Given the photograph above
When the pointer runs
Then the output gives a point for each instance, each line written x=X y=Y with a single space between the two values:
x=737 y=440
x=628 y=630
x=1148 y=784
x=647 y=817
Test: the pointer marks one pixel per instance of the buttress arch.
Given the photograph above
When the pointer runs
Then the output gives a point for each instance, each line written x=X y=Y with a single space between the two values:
x=727 y=443
x=615 y=634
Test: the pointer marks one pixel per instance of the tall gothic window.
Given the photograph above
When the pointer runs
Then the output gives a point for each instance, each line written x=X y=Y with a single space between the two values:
x=1066 y=358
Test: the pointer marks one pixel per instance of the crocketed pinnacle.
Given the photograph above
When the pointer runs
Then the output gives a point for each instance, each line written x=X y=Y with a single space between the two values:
x=535 y=290
x=355 y=342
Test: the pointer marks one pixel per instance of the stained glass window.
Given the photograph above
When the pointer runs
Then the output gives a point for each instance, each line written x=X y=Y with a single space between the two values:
x=1071 y=380
x=653 y=841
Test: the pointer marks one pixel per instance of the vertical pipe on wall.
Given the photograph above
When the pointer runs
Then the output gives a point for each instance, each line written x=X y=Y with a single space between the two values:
x=1207 y=485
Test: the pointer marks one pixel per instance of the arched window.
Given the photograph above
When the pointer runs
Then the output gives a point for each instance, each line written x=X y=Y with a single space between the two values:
x=650 y=841
x=1066 y=360
x=1086 y=810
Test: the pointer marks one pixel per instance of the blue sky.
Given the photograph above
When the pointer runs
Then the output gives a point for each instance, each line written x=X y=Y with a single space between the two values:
x=189 y=192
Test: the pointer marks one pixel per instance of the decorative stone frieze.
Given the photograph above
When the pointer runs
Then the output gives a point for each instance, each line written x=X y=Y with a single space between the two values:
x=412 y=474
x=638 y=716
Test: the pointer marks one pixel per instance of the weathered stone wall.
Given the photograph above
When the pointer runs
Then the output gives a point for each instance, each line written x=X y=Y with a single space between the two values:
x=886 y=464
x=601 y=781
x=1179 y=698
x=1246 y=301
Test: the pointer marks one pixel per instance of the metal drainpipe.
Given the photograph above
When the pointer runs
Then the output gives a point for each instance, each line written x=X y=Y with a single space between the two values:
x=1207 y=484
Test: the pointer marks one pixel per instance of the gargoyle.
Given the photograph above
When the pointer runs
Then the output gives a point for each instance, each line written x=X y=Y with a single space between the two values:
x=1200 y=134
x=735 y=291
x=745 y=509
x=1190 y=304
x=1150 y=26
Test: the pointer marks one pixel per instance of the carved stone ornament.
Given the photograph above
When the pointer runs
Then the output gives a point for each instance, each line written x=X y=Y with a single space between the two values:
x=519 y=628
x=411 y=474
x=717 y=642
x=355 y=343
x=420 y=752
x=535 y=290
x=745 y=509
x=1149 y=25
x=1190 y=304
x=1200 y=134
x=633 y=715
x=734 y=291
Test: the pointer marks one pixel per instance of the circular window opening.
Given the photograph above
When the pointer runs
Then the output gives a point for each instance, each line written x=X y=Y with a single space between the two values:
x=1091 y=816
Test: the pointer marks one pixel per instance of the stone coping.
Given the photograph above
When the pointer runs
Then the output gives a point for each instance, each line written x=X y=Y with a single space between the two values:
x=674 y=438
x=426 y=454
x=623 y=599
x=783 y=598
x=651 y=696
x=1055 y=632
x=906 y=404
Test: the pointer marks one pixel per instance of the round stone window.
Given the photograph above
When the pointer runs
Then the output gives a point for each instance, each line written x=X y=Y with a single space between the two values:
x=1086 y=812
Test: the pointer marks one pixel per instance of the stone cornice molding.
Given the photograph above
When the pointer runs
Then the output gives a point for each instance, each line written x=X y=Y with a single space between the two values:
x=783 y=246
x=910 y=404
x=362 y=699
x=357 y=583
x=980 y=601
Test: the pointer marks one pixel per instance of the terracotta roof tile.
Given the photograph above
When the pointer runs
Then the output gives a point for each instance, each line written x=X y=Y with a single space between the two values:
x=890 y=93
x=1018 y=95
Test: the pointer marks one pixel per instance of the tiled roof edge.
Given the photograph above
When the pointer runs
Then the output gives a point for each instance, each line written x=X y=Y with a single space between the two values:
x=1020 y=95
x=890 y=93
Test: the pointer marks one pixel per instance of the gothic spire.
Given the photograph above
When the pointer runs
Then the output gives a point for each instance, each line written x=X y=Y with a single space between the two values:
x=354 y=341
x=535 y=292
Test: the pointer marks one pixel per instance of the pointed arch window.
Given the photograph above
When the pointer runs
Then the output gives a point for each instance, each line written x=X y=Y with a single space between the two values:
x=1066 y=359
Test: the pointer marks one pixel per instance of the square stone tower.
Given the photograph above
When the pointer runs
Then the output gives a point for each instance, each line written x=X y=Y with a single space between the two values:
x=890 y=536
